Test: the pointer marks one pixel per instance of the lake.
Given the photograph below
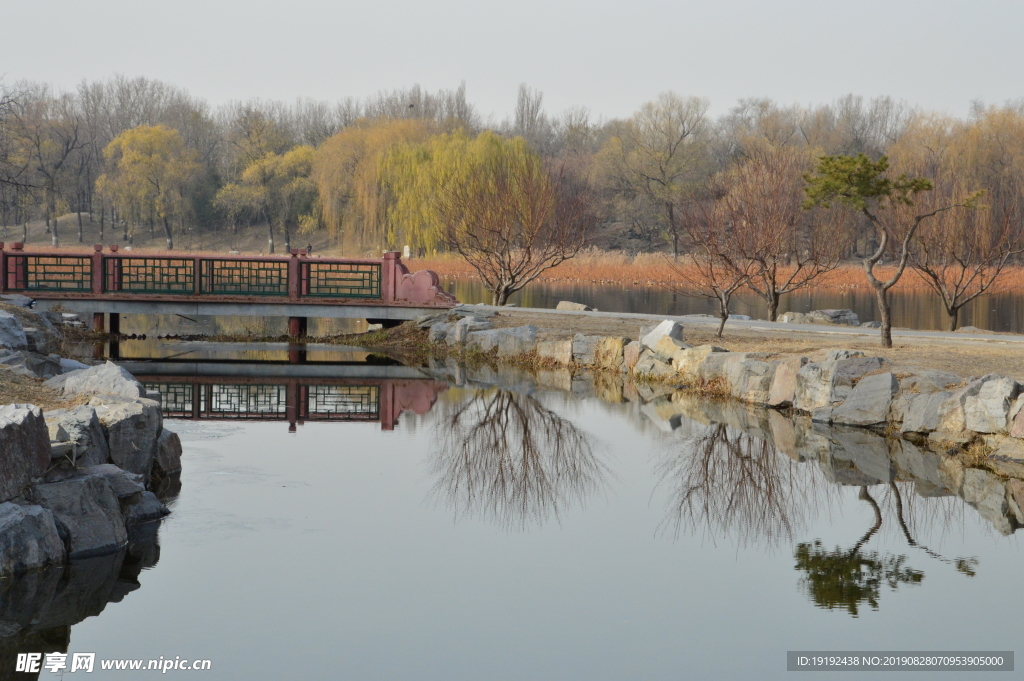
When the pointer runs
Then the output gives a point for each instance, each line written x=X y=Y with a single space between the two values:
x=509 y=530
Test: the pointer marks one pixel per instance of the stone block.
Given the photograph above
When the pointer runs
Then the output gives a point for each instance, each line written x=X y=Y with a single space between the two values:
x=149 y=508
x=749 y=380
x=103 y=379
x=483 y=341
x=24 y=448
x=584 y=349
x=457 y=333
x=573 y=307
x=132 y=427
x=650 y=336
x=930 y=381
x=517 y=340
x=609 y=353
x=987 y=493
x=557 y=351
x=86 y=512
x=952 y=417
x=82 y=428
x=438 y=331
x=12 y=333
x=783 y=388
x=922 y=411
x=631 y=354
x=839 y=317
x=168 y=454
x=29 y=539
x=668 y=348
x=987 y=411
x=688 y=362
x=868 y=403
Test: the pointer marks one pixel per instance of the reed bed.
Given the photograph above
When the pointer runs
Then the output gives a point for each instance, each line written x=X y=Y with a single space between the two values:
x=656 y=269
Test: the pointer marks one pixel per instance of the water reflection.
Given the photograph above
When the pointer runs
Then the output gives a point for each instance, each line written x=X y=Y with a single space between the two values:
x=504 y=456
x=727 y=482
x=37 y=610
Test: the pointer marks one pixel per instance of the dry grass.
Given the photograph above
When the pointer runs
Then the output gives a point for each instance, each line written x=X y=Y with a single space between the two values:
x=976 y=454
x=655 y=269
x=16 y=389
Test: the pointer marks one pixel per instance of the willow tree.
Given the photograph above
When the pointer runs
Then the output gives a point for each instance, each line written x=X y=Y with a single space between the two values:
x=491 y=200
x=346 y=173
x=149 y=173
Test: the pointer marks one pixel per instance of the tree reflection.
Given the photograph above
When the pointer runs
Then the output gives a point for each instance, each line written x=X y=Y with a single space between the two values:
x=728 y=482
x=846 y=579
x=505 y=456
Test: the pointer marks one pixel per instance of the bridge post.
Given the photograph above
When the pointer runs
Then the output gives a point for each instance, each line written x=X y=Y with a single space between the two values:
x=3 y=268
x=97 y=269
x=293 y=275
x=292 y=404
x=388 y=278
x=297 y=327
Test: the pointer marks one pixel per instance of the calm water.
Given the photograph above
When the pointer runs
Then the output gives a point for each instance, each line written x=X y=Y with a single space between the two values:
x=540 y=534
x=919 y=310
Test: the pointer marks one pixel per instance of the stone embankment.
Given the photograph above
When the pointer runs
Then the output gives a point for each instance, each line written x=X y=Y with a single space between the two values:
x=74 y=482
x=971 y=430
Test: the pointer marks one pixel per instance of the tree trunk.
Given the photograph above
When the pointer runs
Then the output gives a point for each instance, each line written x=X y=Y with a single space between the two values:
x=287 y=236
x=954 y=318
x=883 y=309
x=723 y=314
x=672 y=229
x=81 y=237
x=167 y=233
x=270 y=236
x=773 y=307
x=24 y=230
x=56 y=237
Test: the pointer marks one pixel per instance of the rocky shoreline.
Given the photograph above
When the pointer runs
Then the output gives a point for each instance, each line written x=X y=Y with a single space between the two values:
x=834 y=403
x=76 y=482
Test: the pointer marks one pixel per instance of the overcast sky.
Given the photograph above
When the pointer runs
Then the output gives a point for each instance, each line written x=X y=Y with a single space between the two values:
x=607 y=55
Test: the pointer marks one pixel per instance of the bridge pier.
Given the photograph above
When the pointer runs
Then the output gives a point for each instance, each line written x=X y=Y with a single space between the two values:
x=298 y=327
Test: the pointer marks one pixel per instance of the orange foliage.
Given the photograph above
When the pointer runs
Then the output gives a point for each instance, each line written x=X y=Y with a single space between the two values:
x=654 y=269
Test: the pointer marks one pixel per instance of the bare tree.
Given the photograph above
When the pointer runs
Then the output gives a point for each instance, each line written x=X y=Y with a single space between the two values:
x=790 y=248
x=516 y=222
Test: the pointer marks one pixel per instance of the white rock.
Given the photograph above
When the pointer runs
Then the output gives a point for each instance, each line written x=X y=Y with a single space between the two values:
x=12 y=333
x=669 y=328
x=104 y=379
x=987 y=412
x=24 y=448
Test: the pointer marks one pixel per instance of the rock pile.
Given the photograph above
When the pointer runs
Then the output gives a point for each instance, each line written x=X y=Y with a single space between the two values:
x=73 y=482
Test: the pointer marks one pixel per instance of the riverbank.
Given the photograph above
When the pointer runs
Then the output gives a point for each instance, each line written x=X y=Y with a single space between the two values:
x=84 y=456
x=922 y=393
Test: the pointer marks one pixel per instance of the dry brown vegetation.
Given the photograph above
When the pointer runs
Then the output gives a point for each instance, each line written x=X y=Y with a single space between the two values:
x=656 y=269
x=15 y=389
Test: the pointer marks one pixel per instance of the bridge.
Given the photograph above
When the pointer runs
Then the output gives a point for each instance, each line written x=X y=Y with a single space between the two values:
x=297 y=286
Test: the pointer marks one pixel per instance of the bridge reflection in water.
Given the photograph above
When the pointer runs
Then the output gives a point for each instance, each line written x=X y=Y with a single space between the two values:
x=293 y=399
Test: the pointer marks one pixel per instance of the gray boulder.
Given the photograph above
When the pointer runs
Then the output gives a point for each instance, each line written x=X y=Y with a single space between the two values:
x=930 y=381
x=133 y=427
x=149 y=508
x=750 y=380
x=81 y=428
x=428 y=320
x=868 y=403
x=952 y=414
x=793 y=318
x=24 y=448
x=12 y=333
x=439 y=331
x=559 y=351
x=783 y=388
x=650 y=366
x=103 y=379
x=649 y=336
x=28 y=539
x=484 y=341
x=840 y=317
x=168 y=454
x=517 y=340
x=472 y=310
x=460 y=330
x=127 y=487
x=831 y=381
x=584 y=349
x=32 y=364
x=86 y=512
x=987 y=411
x=573 y=307
x=921 y=413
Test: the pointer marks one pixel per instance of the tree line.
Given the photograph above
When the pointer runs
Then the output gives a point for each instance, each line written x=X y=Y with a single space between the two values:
x=766 y=198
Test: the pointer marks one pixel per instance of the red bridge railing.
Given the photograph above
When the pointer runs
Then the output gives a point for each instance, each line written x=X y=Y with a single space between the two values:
x=114 y=275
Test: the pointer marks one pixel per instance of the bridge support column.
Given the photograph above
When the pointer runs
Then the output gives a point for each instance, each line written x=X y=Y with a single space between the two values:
x=114 y=329
x=297 y=327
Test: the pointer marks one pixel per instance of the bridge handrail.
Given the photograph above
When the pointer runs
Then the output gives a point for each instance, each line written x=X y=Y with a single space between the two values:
x=295 y=276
